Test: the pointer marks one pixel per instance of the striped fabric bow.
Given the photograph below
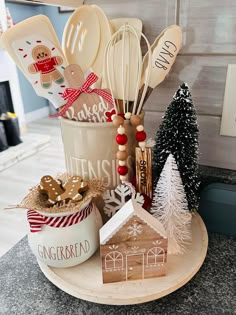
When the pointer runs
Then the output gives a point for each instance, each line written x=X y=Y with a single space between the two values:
x=70 y=95
x=36 y=220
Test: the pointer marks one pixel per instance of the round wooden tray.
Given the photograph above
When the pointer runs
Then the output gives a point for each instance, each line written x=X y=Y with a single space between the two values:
x=85 y=281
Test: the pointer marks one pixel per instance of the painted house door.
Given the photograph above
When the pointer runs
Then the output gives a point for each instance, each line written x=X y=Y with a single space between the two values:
x=134 y=266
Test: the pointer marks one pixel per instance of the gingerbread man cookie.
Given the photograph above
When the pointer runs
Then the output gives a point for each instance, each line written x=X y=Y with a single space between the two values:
x=52 y=187
x=45 y=64
x=73 y=189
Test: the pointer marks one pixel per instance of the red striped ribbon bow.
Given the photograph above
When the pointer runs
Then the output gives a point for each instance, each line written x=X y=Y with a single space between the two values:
x=70 y=95
x=36 y=220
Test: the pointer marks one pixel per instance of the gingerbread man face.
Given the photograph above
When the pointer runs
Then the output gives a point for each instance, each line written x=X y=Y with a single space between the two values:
x=51 y=187
x=46 y=65
x=41 y=52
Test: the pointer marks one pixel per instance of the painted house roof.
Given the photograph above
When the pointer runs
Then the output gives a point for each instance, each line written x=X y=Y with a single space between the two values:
x=129 y=209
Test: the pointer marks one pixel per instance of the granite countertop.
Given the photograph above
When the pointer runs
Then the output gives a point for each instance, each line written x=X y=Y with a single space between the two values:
x=25 y=290
x=209 y=174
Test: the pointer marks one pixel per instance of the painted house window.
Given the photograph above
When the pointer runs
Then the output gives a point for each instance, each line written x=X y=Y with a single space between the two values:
x=155 y=255
x=114 y=260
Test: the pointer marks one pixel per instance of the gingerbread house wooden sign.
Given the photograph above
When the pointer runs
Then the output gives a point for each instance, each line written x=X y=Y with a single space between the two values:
x=133 y=245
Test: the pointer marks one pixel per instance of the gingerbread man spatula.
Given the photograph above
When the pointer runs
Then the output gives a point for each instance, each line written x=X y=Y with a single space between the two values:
x=83 y=102
x=36 y=50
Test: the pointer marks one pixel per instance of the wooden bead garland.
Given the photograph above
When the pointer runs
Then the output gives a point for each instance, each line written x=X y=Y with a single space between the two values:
x=121 y=155
x=140 y=134
x=122 y=140
x=135 y=120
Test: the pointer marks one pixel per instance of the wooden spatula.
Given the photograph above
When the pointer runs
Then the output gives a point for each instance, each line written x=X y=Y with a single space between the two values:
x=136 y=23
x=35 y=48
x=164 y=51
x=81 y=37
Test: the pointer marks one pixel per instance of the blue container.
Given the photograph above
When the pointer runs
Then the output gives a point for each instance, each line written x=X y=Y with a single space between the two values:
x=218 y=208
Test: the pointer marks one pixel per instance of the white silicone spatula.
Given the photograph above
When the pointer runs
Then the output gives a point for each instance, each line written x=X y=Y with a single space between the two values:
x=106 y=32
x=81 y=37
x=164 y=51
x=36 y=50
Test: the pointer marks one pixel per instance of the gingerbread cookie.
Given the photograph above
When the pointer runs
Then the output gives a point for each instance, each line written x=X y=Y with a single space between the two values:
x=46 y=65
x=73 y=189
x=52 y=187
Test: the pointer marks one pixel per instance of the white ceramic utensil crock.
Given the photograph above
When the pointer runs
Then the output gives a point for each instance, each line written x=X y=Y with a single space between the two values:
x=90 y=150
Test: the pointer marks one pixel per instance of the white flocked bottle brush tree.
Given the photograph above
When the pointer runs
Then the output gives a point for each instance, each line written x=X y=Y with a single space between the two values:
x=170 y=207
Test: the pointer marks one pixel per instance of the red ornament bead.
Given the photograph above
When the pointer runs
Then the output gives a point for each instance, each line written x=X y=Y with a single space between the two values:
x=121 y=139
x=141 y=136
x=122 y=170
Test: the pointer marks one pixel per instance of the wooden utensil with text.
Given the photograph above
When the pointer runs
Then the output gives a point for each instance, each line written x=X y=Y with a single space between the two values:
x=144 y=171
x=164 y=52
x=88 y=104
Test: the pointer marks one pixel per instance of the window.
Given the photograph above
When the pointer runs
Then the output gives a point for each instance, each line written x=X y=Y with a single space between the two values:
x=155 y=255
x=114 y=260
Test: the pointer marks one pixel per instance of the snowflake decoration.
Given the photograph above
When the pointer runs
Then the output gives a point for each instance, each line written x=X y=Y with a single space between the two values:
x=115 y=199
x=135 y=229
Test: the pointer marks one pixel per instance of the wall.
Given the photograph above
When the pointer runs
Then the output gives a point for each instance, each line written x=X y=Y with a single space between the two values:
x=58 y=19
x=3 y=14
x=209 y=28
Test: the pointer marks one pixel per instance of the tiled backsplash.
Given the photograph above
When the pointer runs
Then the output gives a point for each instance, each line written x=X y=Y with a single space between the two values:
x=209 y=28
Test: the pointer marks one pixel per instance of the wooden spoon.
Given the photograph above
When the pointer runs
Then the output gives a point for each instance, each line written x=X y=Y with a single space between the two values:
x=81 y=37
x=36 y=50
x=164 y=51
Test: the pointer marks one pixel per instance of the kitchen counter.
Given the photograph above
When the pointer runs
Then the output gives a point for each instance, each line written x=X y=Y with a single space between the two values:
x=209 y=174
x=25 y=290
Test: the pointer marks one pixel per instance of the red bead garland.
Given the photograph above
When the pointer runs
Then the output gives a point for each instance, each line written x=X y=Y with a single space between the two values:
x=140 y=136
x=121 y=139
x=122 y=170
